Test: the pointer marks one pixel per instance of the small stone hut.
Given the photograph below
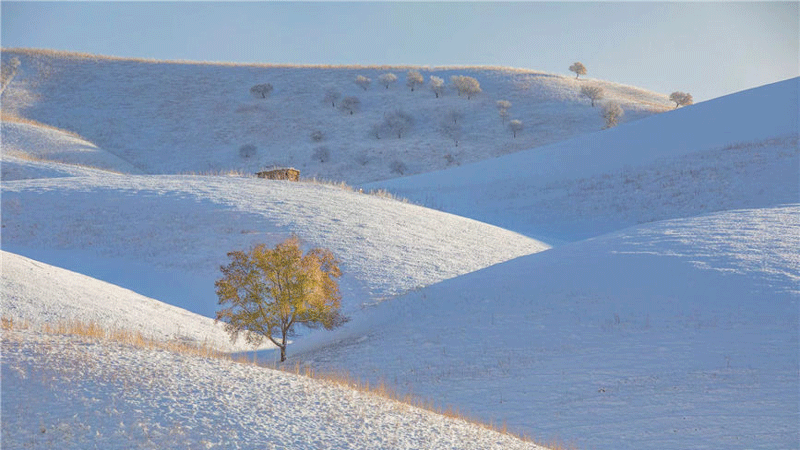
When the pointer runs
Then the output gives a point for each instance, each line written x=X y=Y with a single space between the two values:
x=283 y=173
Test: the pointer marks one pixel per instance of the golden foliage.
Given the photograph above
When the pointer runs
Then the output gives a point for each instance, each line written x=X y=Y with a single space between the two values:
x=266 y=292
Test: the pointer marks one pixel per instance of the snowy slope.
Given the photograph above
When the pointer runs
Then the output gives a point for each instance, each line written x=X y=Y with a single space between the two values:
x=166 y=236
x=66 y=393
x=28 y=147
x=173 y=118
x=38 y=293
x=738 y=151
x=676 y=334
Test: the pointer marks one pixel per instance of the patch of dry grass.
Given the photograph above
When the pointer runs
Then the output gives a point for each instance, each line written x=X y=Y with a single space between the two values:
x=93 y=331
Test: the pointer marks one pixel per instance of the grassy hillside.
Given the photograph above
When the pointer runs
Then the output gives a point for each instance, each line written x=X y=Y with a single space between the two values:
x=174 y=117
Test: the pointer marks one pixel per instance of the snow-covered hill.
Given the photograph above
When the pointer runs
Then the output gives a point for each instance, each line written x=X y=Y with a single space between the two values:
x=35 y=151
x=676 y=334
x=66 y=393
x=37 y=293
x=738 y=151
x=665 y=316
x=166 y=236
x=169 y=118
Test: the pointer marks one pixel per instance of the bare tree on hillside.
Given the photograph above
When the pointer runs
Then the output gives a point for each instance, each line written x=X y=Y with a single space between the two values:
x=363 y=82
x=454 y=115
x=398 y=167
x=350 y=104
x=578 y=68
x=593 y=93
x=515 y=126
x=437 y=85
x=468 y=86
x=681 y=98
x=502 y=109
x=261 y=90
x=387 y=79
x=611 y=112
x=399 y=122
x=413 y=79
x=451 y=130
x=332 y=95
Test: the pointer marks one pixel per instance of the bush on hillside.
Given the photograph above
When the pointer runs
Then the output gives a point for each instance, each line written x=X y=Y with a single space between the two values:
x=468 y=86
x=414 y=79
x=611 y=112
x=515 y=126
x=502 y=109
x=332 y=95
x=350 y=104
x=363 y=82
x=261 y=90
x=317 y=136
x=398 y=122
x=398 y=167
x=593 y=93
x=437 y=85
x=387 y=79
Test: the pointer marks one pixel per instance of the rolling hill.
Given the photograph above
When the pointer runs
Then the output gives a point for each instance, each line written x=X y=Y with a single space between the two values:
x=630 y=288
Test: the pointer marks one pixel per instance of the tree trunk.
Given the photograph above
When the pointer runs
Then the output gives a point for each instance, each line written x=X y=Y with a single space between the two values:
x=283 y=346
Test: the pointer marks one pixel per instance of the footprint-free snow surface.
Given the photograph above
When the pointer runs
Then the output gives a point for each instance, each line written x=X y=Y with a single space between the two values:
x=678 y=334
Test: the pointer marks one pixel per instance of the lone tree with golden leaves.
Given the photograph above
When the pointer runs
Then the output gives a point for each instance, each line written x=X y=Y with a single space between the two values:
x=266 y=292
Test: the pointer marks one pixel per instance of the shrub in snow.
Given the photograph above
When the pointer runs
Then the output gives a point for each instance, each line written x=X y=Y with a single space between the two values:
x=350 y=104
x=266 y=292
x=247 y=151
x=502 y=109
x=466 y=85
x=578 y=68
x=363 y=82
x=398 y=122
x=317 y=136
x=332 y=95
x=681 y=98
x=593 y=93
x=437 y=85
x=414 y=79
x=515 y=126
x=261 y=90
x=451 y=130
x=321 y=154
x=398 y=167
x=611 y=112
x=387 y=79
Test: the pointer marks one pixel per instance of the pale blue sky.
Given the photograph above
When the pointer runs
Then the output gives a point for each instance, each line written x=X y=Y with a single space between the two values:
x=707 y=49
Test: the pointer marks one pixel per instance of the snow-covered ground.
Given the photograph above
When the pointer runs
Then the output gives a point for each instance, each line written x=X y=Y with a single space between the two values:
x=166 y=236
x=737 y=151
x=664 y=316
x=677 y=334
x=168 y=118
x=66 y=393
x=37 y=293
